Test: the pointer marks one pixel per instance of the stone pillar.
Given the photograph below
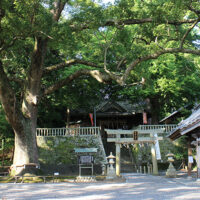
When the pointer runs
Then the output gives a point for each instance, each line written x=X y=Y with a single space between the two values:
x=118 y=159
x=149 y=169
x=144 y=169
x=118 y=154
x=154 y=160
x=141 y=169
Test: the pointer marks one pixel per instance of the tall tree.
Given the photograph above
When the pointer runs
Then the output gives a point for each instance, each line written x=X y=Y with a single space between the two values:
x=31 y=29
x=170 y=82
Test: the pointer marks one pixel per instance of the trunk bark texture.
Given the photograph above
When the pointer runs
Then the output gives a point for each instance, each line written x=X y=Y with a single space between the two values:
x=25 y=154
x=23 y=119
x=155 y=108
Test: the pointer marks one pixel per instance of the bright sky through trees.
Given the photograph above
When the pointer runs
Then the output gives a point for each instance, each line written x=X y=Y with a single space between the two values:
x=107 y=1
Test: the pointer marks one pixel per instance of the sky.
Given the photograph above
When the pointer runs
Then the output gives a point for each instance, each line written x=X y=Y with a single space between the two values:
x=106 y=1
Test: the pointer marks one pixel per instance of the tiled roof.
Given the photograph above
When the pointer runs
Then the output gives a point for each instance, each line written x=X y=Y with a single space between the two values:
x=124 y=106
x=189 y=124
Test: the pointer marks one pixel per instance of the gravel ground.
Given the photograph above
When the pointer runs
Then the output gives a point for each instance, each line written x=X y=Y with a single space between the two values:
x=136 y=186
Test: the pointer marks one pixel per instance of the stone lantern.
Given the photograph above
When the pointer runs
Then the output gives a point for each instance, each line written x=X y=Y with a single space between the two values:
x=171 y=171
x=111 y=174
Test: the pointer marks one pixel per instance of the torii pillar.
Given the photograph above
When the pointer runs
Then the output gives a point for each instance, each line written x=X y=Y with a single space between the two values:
x=118 y=156
x=154 y=160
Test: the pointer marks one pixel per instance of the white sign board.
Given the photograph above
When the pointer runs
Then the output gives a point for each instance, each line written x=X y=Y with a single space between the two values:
x=190 y=159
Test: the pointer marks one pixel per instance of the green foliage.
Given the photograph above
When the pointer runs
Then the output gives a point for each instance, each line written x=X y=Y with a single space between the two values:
x=172 y=79
x=5 y=128
x=169 y=78
x=60 y=150
x=6 y=140
x=85 y=31
x=180 y=150
x=60 y=153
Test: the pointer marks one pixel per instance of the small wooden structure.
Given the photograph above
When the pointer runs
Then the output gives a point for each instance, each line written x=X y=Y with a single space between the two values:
x=143 y=134
x=86 y=158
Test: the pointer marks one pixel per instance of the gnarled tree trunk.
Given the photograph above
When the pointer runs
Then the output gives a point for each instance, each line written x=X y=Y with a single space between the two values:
x=21 y=112
x=23 y=121
x=26 y=153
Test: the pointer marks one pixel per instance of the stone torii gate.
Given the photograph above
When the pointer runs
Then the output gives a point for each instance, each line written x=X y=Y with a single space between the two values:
x=143 y=134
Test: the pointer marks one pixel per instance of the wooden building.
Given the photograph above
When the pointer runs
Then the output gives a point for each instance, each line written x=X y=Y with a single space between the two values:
x=112 y=115
x=190 y=127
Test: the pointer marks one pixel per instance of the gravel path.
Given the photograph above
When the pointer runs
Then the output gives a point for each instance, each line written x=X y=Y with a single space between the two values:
x=137 y=186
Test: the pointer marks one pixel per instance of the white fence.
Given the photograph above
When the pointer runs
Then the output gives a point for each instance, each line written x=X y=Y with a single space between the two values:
x=87 y=131
x=81 y=131
x=165 y=127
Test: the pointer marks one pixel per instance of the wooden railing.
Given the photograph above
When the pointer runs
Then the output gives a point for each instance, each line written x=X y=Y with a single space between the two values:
x=81 y=131
x=165 y=127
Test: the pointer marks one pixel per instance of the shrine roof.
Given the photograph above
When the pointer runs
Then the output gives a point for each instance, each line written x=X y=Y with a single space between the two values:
x=121 y=107
x=188 y=125
x=114 y=108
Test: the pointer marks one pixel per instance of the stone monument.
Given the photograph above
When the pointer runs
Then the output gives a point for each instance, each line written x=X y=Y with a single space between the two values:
x=171 y=171
x=111 y=174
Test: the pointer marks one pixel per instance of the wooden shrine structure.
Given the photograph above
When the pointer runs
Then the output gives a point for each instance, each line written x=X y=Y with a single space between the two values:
x=190 y=127
x=111 y=115
x=142 y=134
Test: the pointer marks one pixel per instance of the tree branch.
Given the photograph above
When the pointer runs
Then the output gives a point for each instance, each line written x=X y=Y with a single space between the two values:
x=17 y=80
x=132 y=22
x=99 y=76
x=107 y=77
x=121 y=62
x=188 y=31
x=58 y=8
x=154 y=56
x=67 y=64
x=193 y=10
x=8 y=99
x=5 y=46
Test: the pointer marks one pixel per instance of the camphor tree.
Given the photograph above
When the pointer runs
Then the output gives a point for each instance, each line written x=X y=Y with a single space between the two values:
x=171 y=82
x=91 y=39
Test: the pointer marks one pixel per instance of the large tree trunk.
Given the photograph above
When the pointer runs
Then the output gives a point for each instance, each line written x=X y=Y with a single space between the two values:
x=25 y=153
x=155 y=108
x=22 y=113
x=23 y=118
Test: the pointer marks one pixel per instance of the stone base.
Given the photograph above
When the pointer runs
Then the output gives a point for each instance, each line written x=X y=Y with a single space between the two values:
x=111 y=177
x=171 y=171
x=85 y=179
x=111 y=174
